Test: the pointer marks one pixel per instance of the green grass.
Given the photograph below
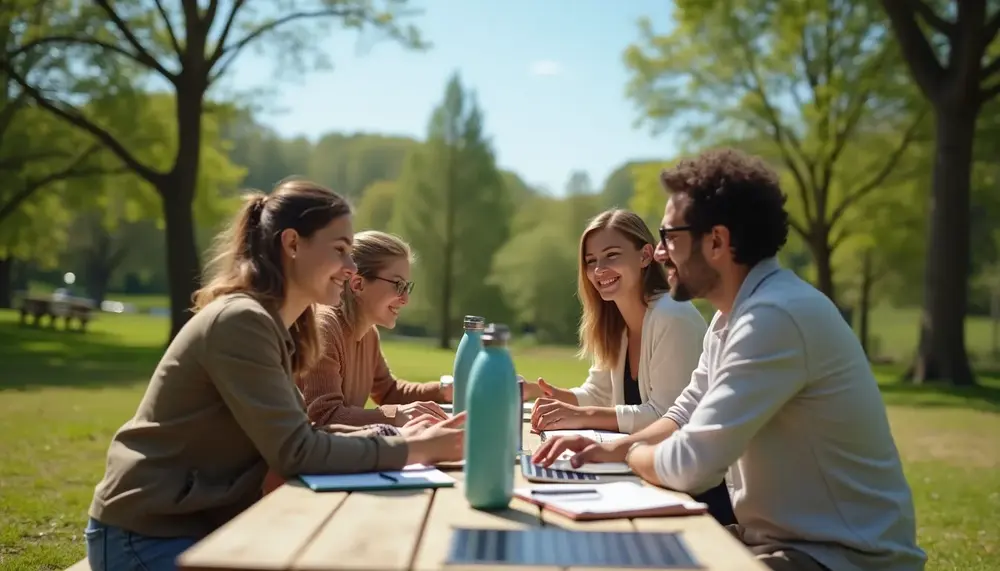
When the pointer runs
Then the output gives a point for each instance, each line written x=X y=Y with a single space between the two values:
x=62 y=396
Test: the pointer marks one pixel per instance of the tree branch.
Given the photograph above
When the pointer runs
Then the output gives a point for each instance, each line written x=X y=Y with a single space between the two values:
x=933 y=20
x=924 y=65
x=854 y=196
x=798 y=228
x=170 y=28
x=75 y=118
x=226 y=29
x=140 y=58
x=71 y=170
x=143 y=54
x=232 y=50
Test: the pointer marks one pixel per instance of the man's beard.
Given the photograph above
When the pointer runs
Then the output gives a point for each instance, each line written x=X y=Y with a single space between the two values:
x=702 y=276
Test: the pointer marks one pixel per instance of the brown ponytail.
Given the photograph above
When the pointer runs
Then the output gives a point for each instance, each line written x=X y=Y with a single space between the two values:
x=246 y=256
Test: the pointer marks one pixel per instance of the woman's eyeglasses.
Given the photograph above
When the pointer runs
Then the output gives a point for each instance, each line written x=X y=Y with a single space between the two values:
x=402 y=286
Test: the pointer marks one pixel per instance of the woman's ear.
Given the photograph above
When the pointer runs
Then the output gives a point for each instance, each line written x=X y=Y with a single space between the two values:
x=646 y=255
x=357 y=283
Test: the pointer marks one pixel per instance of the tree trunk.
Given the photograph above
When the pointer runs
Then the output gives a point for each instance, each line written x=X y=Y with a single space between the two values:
x=865 y=302
x=819 y=245
x=178 y=193
x=6 y=282
x=941 y=354
x=444 y=341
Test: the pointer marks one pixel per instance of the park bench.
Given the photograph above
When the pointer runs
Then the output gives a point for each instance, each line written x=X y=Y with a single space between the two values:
x=56 y=307
x=81 y=565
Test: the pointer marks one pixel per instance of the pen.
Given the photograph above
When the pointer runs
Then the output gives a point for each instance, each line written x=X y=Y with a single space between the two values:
x=564 y=492
x=388 y=477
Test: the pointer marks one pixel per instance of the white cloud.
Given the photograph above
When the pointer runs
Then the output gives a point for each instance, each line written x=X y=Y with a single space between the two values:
x=546 y=67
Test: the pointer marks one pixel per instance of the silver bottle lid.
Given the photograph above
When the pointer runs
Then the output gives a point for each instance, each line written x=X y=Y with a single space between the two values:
x=496 y=335
x=474 y=323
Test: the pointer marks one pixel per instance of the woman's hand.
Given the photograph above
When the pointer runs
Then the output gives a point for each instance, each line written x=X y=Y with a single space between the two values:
x=439 y=442
x=541 y=389
x=410 y=411
x=552 y=414
x=586 y=451
x=419 y=424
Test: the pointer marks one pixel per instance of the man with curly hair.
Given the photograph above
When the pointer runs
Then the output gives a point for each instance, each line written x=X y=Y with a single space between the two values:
x=783 y=402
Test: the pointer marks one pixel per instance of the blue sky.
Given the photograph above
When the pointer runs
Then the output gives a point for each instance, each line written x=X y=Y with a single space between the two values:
x=548 y=73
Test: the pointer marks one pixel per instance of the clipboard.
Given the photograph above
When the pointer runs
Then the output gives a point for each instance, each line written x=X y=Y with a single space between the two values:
x=414 y=477
x=614 y=500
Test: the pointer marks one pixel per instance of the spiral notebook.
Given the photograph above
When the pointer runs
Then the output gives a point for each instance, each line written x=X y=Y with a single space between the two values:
x=414 y=476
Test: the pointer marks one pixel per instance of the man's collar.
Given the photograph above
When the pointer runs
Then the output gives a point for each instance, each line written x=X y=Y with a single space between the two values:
x=764 y=268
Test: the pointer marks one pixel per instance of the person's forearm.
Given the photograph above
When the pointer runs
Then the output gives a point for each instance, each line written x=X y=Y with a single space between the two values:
x=601 y=417
x=569 y=397
x=652 y=434
x=642 y=461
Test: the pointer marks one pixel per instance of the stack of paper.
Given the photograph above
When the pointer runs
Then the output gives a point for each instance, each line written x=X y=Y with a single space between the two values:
x=608 y=501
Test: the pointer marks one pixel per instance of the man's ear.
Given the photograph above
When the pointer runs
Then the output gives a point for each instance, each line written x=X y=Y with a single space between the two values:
x=719 y=241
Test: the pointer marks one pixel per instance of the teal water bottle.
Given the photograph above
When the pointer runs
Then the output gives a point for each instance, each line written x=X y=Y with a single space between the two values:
x=489 y=427
x=468 y=349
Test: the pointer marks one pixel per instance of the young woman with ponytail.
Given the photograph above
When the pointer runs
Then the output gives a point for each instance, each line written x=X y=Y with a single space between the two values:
x=222 y=407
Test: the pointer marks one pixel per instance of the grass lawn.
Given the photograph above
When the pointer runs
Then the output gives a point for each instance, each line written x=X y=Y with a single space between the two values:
x=62 y=395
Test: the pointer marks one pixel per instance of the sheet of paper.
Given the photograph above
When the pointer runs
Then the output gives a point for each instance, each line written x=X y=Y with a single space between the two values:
x=598 y=435
x=608 y=498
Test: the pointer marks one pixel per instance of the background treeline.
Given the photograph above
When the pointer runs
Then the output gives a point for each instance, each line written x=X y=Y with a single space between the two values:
x=880 y=116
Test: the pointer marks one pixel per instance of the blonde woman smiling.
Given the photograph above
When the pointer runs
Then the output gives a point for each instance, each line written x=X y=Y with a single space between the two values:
x=643 y=344
x=353 y=367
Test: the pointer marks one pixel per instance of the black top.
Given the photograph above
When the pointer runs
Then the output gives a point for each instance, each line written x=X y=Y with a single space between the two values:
x=632 y=396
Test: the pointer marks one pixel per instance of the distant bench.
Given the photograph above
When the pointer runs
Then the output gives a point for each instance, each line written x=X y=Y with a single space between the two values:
x=34 y=308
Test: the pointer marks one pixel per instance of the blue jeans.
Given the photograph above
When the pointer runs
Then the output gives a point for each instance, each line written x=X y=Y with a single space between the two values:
x=111 y=548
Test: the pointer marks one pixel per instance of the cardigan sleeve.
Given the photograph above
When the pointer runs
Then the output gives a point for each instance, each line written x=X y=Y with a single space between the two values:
x=596 y=390
x=672 y=348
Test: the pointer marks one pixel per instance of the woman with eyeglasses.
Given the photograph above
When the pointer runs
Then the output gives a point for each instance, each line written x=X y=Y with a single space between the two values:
x=353 y=367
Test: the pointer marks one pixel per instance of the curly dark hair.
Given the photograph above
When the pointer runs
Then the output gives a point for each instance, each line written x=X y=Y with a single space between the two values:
x=726 y=187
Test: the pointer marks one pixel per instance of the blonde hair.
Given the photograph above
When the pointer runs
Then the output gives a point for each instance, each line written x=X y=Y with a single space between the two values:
x=373 y=251
x=602 y=324
x=247 y=257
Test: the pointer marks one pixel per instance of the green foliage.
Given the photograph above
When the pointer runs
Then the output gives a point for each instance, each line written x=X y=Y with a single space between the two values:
x=453 y=207
x=807 y=86
x=374 y=212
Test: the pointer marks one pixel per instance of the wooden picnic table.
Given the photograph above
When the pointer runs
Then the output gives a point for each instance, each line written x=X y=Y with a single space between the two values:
x=294 y=528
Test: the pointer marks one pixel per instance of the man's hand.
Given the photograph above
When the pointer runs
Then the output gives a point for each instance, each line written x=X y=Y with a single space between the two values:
x=411 y=411
x=552 y=414
x=586 y=451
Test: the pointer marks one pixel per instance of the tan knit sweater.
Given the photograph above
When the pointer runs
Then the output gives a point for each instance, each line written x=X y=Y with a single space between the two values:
x=351 y=370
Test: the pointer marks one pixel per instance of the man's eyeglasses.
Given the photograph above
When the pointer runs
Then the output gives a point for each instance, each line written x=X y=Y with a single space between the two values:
x=666 y=230
x=402 y=286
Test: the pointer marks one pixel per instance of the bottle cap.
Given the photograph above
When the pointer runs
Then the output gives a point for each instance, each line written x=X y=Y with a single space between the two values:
x=474 y=323
x=496 y=334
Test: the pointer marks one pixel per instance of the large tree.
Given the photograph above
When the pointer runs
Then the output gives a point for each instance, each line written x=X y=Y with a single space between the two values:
x=453 y=206
x=947 y=53
x=187 y=46
x=802 y=82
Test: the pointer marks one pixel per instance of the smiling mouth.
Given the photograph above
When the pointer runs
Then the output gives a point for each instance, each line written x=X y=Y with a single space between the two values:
x=394 y=310
x=607 y=282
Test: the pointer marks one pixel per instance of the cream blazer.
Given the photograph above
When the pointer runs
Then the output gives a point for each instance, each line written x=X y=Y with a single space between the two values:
x=672 y=337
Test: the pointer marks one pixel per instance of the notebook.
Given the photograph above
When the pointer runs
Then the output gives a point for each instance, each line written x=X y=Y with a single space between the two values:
x=614 y=500
x=562 y=548
x=410 y=477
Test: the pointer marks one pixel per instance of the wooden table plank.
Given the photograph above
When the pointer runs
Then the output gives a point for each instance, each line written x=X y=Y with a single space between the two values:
x=712 y=546
x=370 y=530
x=267 y=536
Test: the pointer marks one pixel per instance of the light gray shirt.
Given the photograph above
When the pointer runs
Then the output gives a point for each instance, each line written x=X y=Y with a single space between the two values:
x=784 y=400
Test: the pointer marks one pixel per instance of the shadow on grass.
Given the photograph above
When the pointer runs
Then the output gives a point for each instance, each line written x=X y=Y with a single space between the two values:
x=984 y=396
x=35 y=358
